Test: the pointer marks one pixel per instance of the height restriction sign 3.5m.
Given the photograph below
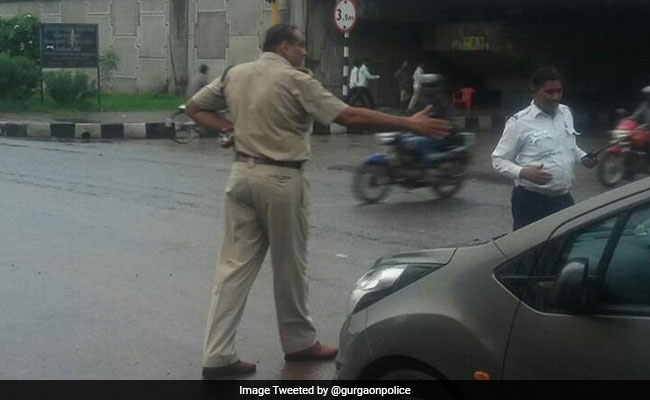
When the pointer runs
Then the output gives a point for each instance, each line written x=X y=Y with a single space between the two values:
x=346 y=14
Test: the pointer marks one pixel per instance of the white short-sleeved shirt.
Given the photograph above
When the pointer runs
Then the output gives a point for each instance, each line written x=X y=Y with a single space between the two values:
x=533 y=137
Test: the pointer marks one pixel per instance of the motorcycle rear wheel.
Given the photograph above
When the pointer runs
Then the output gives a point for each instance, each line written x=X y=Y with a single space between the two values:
x=451 y=179
x=371 y=182
x=611 y=169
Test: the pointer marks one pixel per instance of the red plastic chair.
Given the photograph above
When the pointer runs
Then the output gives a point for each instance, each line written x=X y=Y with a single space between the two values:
x=465 y=98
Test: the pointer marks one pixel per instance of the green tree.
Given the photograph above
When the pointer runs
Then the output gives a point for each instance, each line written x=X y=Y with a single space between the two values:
x=19 y=36
x=19 y=77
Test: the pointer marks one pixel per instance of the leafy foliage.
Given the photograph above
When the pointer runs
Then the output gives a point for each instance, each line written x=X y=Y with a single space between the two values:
x=19 y=77
x=108 y=62
x=66 y=88
x=19 y=36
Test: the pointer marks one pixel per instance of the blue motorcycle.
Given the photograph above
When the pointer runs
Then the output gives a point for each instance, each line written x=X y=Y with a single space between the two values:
x=414 y=161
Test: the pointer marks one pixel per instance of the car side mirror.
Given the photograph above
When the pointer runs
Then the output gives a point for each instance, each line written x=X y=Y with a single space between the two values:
x=570 y=292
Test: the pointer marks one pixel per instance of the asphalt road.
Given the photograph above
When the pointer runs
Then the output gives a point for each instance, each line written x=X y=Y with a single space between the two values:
x=110 y=249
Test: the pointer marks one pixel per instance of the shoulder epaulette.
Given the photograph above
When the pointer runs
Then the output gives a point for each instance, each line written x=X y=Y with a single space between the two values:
x=519 y=114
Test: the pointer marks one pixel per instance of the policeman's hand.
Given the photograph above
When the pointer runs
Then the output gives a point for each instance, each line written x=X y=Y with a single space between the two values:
x=536 y=174
x=589 y=161
x=226 y=139
x=425 y=125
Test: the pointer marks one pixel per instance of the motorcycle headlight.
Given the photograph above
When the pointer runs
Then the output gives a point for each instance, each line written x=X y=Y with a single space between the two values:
x=383 y=280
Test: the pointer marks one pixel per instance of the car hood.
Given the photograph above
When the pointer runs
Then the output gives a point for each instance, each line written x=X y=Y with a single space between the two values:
x=434 y=256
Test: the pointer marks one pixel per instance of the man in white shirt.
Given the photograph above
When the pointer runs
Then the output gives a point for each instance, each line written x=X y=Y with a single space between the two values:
x=417 y=88
x=538 y=151
x=362 y=80
x=354 y=82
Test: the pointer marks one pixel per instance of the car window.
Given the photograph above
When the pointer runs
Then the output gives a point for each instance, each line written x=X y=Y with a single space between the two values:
x=515 y=273
x=626 y=280
x=587 y=244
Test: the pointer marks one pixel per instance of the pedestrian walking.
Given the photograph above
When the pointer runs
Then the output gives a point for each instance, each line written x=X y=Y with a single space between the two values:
x=272 y=103
x=538 y=151
x=362 y=93
x=403 y=79
x=417 y=88
x=198 y=81
x=354 y=82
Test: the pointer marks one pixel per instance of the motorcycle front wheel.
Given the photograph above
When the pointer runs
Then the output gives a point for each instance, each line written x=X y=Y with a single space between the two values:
x=451 y=176
x=371 y=182
x=611 y=169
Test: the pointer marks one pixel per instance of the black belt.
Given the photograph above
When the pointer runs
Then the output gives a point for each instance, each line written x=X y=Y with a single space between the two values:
x=267 y=161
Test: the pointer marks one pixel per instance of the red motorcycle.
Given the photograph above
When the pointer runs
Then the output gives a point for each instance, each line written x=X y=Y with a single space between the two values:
x=627 y=154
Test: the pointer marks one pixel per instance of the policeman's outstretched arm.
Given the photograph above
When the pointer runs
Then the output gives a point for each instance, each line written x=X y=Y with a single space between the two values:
x=206 y=118
x=419 y=123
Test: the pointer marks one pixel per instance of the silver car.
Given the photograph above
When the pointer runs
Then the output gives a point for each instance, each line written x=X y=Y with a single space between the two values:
x=567 y=297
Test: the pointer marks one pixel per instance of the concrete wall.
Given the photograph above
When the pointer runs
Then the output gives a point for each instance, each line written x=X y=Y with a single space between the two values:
x=161 y=43
x=228 y=32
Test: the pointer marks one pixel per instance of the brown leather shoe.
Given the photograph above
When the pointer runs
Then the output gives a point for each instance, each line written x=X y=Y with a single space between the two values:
x=317 y=352
x=238 y=368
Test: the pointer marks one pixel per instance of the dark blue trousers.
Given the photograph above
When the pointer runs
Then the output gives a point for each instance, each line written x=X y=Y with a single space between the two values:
x=528 y=206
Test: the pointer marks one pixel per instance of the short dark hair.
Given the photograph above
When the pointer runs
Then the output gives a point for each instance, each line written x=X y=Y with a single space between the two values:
x=544 y=74
x=356 y=63
x=277 y=34
x=203 y=68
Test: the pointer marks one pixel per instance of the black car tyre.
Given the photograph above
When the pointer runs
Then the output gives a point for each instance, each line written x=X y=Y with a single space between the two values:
x=371 y=182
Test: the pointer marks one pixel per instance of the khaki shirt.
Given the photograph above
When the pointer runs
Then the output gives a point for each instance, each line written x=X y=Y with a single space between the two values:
x=272 y=105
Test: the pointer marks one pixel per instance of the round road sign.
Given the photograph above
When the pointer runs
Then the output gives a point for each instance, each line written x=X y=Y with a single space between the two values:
x=345 y=15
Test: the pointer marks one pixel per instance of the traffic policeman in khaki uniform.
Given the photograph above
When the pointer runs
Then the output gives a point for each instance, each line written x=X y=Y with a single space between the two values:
x=273 y=102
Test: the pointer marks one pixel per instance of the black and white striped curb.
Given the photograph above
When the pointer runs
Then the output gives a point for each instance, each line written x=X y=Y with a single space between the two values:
x=474 y=123
x=159 y=130
x=141 y=130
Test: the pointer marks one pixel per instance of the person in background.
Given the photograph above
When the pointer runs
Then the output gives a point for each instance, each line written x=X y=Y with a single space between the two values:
x=198 y=81
x=417 y=88
x=642 y=113
x=354 y=82
x=403 y=79
x=362 y=93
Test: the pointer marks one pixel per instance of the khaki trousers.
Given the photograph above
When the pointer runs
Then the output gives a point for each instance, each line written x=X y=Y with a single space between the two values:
x=266 y=206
